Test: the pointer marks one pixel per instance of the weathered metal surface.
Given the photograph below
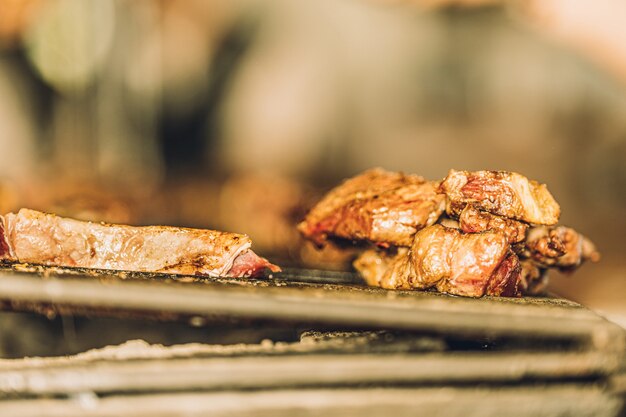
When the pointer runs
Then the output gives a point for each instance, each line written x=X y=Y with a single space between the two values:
x=297 y=370
x=529 y=401
x=276 y=299
x=564 y=360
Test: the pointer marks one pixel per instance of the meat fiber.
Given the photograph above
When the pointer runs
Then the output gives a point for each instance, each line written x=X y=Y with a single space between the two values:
x=39 y=238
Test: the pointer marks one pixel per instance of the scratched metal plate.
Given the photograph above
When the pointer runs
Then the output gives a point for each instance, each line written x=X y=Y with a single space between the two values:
x=566 y=365
x=297 y=296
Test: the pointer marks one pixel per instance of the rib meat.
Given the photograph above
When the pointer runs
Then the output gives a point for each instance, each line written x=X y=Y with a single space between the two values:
x=383 y=207
x=40 y=238
x=449 y=260
x=503 y=193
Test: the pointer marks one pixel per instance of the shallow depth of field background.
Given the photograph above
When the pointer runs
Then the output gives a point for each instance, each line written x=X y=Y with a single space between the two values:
x=205 y=112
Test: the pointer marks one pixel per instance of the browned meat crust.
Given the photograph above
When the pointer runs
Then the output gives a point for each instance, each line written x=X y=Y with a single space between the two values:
x=473 y=220
x=40 y=238
x=561 y=247
x=451 y=261
x=383 y=207
x=503 y=193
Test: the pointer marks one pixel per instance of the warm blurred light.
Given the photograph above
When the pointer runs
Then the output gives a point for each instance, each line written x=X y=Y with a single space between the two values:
x=15 y=17
x=594 y=28
x=69 y=41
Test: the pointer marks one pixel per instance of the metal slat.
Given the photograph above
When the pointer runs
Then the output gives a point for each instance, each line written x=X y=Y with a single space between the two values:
x=303 y=371
x=320 y=303
x=530 y=401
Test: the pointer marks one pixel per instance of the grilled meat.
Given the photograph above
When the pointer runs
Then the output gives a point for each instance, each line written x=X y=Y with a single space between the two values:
x=40 y=238
x=503 y=193
x=484 y=244
x=473 y=220
x=375 y=264
x=383 y=207
x=561 y=247
x=451 y=261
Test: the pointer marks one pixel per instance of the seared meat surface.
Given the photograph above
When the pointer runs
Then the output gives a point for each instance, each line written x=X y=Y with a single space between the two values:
x=40 y=238
x=383 y=207
x=473 y=220
x=374 y=265
x=451 y=261
x=561 y=247
x=503 y=193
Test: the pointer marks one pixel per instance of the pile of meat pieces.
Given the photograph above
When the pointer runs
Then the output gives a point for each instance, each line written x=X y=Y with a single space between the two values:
x=472 y=234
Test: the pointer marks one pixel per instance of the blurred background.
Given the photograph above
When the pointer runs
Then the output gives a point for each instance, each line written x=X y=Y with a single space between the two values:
x=239 y=114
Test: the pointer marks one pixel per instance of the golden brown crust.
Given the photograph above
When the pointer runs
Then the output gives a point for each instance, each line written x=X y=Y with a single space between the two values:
x=561 y=247
x=507 y=194
x=451 y=261
x=383 y=207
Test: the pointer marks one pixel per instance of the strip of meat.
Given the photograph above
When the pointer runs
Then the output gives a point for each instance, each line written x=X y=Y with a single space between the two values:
x=34 y=237
x=454 y=262
x=503 y=193
x=473 y=220
x=561 y=247
x=383 y=207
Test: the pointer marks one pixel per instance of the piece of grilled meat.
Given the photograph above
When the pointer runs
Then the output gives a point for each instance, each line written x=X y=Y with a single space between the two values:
x=39 y=238
x=503 y=193
x=559 y=247
x=386 y=208
x=468 y=264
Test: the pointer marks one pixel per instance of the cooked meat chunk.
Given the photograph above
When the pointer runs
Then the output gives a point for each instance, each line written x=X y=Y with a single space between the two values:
x=496 y=237
x=373 y=264
x=503 y=193
x=40 y=238
x=451 y=261
x=473 y=220
x=560 y=247
x=386 y=208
